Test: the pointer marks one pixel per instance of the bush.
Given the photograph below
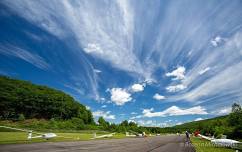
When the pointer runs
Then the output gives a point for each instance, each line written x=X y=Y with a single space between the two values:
x=21 y=117
x=79 y=123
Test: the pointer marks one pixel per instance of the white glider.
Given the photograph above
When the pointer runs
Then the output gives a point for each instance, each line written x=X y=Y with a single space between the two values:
x=30 y=132
x=222 y=142
x=102 y=136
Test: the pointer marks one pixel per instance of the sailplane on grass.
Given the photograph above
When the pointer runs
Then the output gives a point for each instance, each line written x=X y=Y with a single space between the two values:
x=37 y=135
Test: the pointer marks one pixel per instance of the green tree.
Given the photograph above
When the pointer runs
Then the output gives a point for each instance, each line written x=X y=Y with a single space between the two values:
x=101 y=121
x=235 y=121
x=78 y=123
x=125 y=123
x=235 y=117
x=236 y=108
x=21 y=117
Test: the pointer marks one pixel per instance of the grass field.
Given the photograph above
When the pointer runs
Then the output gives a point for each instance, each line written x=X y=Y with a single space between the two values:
x=21 y=137
x=206 y=146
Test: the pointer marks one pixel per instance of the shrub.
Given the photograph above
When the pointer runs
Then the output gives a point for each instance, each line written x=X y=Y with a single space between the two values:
x=21 y=117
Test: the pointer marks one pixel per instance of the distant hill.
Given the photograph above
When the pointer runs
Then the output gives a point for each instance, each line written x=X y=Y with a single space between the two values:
x=24 y=99
x=230 y=125
x=194 y=125
x=203 y=124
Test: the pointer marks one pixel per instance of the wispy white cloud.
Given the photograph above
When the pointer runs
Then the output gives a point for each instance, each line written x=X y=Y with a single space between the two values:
x=152 y=123
x=104 y=106
x=93 y=48
x=204 y=70
x=198 y=119
x=30 y=57
x=158 y=97
x=97 y=71
x=105 y=115
x=145 y=122
x=179 y=123
x=76 y=89
x=169 y=120
x=175 y=111
x=222 y=111
x=175 y=88
x=136 y=117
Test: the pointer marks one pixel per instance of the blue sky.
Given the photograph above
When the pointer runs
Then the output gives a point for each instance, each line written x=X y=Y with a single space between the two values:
x=158 y=63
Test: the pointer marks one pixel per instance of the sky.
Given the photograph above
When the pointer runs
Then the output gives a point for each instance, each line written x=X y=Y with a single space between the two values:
x=157 y=63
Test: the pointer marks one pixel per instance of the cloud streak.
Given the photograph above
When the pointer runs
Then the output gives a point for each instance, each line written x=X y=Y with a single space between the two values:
x=34 y=59
x=105 y=115
x=175 y=111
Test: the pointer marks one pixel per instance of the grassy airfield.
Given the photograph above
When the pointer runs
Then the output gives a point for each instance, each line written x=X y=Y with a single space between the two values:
x=21 y=137
x=206 y=146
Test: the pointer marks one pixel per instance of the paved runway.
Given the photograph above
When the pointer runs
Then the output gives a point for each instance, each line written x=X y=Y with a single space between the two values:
x=171 y=143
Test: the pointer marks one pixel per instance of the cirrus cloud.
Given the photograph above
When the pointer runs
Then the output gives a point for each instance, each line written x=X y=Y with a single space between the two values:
x=27 y=56
x=175 y=88
x=175 y=111
x=204 y=71
x=105 y=115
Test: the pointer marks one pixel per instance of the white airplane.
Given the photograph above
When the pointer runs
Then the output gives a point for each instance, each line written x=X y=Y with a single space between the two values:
x=226 y=142
x=222 y=142
x=136 y=134
x=130 y=135
x=44 y=136
x=30 y=132
x=102 y=136
x=205 y=137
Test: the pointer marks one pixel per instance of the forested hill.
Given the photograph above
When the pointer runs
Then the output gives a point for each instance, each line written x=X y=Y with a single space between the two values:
x=205 y=126
x=22 y=98
x=230 y=125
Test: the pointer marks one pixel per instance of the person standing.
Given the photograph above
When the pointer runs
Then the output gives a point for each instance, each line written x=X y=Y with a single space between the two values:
x=188 y=136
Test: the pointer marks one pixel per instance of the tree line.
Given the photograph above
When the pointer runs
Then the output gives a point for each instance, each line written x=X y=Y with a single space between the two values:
x=24 y=100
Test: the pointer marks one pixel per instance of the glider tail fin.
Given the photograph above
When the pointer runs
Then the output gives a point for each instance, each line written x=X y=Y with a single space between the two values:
x=30 y=135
